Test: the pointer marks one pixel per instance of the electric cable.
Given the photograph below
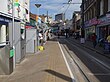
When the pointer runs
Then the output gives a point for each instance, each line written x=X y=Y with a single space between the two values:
x=67 y=8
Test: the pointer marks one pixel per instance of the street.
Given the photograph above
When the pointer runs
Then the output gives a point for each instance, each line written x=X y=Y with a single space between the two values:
x=93 y=66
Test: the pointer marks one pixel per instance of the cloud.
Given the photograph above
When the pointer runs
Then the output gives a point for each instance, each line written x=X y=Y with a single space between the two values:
x=57 y=6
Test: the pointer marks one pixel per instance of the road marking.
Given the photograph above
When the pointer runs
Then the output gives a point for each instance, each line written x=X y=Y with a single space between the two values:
x=73 y=79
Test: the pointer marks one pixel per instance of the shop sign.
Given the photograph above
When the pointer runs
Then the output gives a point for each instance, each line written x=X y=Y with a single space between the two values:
x=28 y=27
x=91 y=22
x=33 y=16
x=108 y=16
x=5 y=19
x=104 y=20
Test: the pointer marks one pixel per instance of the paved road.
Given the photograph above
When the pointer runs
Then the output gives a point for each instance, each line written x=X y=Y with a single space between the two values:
x=95 y=66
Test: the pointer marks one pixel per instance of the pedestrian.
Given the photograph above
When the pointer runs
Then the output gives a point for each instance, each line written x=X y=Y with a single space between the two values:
x=108 y=40
x=41 y=38
x=66 y=31
x=94 y=39
x=58 y=34
x=46 y=35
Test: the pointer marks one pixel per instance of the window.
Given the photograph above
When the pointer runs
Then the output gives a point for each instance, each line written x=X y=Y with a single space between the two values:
x=2 y=35
x=108 y=5
x=101 y=7
x=105 y=6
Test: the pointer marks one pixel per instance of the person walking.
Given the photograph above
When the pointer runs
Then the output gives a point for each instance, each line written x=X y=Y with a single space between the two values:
x=41 y=38
x=108 y=40
x=94 y=40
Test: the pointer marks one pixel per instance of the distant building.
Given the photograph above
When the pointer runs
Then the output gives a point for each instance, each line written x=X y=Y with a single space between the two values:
x=46 y=19
x=76 y=21
x=60 y=17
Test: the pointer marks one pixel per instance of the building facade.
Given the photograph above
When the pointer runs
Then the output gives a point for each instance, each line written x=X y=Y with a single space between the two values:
x=103 y=15
x=76 y=21
x=14 y=50
x=90 y=17
x=96 y=18
x=60 y=17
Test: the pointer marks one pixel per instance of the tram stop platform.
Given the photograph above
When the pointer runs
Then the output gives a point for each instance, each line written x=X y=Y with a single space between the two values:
x=45 y=66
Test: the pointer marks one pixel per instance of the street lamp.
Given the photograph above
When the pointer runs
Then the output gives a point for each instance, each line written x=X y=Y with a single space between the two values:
x=37 y=5
x=12 y=23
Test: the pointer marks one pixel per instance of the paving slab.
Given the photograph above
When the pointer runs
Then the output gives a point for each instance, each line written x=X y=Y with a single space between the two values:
x=45 y=66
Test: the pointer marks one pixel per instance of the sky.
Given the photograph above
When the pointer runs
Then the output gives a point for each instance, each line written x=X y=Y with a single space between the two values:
x=54 y=7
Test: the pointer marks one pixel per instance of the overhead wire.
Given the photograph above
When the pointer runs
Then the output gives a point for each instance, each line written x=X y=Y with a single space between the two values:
x=67 y=8
x=60 y=8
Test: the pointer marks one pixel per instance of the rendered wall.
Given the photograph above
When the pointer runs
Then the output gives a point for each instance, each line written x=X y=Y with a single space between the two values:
x=17 y=44
x=31 y=40
x=4 y=6
x=17 y=41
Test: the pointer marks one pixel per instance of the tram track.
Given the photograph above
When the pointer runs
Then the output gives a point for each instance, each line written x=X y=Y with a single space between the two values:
x=80 y=67
x=81 y=71
x=95 y=59
x=76 y=63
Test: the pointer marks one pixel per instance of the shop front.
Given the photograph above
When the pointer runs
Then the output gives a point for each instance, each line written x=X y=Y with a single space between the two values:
x=89 y=31
x=90 y=28
x=6 y=52
x=103 y=27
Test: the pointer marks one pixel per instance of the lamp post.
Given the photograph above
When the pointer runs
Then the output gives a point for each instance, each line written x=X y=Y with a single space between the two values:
x=37 y=5
x=12 y=23
x=12 y=54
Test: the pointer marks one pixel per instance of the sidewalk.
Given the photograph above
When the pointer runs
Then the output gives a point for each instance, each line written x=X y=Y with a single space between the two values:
x=89 y=44
x=45 y=66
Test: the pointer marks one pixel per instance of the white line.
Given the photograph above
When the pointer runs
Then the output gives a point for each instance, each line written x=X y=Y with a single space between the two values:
x=73 y=79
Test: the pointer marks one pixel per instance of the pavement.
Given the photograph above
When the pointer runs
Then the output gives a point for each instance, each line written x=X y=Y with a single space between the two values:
x=45 y=66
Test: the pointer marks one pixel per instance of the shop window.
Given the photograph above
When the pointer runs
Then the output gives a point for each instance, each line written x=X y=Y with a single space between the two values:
x=22 y=34
x=3 y=35
x=103 y=32
x=22 y=30
x=7 y=34
x=108 y=5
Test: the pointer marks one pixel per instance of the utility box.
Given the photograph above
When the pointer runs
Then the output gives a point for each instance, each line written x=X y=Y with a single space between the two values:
x=15 y=33
x=5 y=62
x=31 y=40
